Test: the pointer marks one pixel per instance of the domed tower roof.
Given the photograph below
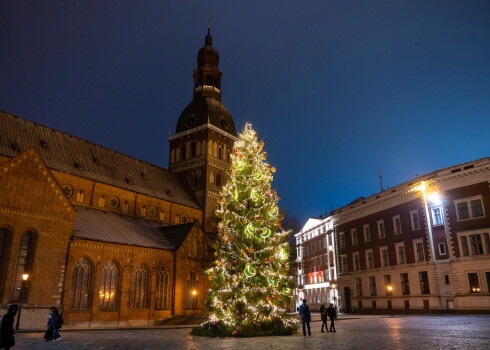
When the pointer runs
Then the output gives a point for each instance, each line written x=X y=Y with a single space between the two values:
x=206 y=106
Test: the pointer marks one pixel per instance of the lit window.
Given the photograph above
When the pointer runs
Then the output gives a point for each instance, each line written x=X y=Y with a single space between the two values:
x=469 y=208
x=109 y=281
x=437 y=218
x=23 y=268
x=474 y=283
x=102 y=201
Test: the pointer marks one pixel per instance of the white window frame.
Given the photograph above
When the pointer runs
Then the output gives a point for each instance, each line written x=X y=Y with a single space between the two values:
x=415 y=242
x=369 y=266
x=343 y=263
x=353 y=236
x=470 y=210
x=415 y=227
x=341 y=240
x=443 y=245
x=381 y=256
x=432 y=211
x=394 y=225
x=381 y=233
x=356 y=267
x=467 y=234
x=397 y=247
x=367 y=233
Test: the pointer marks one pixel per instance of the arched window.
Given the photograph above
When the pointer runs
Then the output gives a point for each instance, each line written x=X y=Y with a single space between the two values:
x=162 y=297
x=211 y=177
x=4 y=241
x=143 y=210
x=187 y=150
x=218 y=180
x=182 y=153
x=177 y=154
x=193 y=149
x=177 y=218
x=172 y=156
x=198 y=148
x=109 y=281
x=203 y=147
x=215 y=149
x=125 y=207
x=80 y=196
x=102 y=201
x=139 y=288
x=24 y=263
x=185 y=219
x=81 y=285
x=191 y=288
x=210 y=147
x=162 y=216
x=220 y=153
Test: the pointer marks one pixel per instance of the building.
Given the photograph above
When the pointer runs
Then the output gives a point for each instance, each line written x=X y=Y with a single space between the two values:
x=317 y=263
x=422 y=246
x=110 y=239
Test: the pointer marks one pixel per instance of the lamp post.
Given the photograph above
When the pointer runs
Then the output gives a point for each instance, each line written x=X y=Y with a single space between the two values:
x=194 y=293
x=389 y=291
x=25 y=277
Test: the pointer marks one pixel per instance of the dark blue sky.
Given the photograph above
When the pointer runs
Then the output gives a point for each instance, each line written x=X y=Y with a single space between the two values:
x=336 y=89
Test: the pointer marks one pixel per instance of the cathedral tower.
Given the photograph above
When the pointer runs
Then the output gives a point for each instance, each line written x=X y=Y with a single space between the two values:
x=204 y=136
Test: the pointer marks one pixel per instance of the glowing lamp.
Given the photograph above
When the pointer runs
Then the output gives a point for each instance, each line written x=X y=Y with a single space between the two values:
x=25 y=276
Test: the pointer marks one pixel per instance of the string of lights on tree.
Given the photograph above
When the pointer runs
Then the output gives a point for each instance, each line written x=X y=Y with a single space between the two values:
x=249 y=283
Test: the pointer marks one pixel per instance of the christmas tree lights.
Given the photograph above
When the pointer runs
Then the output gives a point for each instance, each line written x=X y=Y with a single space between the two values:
x=250 y=290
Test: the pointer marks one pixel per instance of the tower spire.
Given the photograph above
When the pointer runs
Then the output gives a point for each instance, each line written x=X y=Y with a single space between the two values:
x=209 y=38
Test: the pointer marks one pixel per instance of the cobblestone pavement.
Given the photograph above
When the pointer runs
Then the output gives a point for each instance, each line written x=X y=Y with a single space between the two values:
x=353 y=332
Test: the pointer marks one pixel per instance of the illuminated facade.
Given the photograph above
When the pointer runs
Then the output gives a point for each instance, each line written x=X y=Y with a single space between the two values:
x=317 y=263
x=422 y=246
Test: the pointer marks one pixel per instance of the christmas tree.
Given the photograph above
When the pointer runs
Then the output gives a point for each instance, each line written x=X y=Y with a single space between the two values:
x=250 y=290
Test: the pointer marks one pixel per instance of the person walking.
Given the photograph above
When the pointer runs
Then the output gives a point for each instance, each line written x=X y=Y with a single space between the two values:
x=54 y=324
x=332 y=315
x=323 y=314
x=7 y=339
x=304 y=312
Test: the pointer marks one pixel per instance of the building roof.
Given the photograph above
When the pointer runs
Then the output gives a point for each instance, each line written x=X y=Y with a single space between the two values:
x=98 y=225
x=72 y=155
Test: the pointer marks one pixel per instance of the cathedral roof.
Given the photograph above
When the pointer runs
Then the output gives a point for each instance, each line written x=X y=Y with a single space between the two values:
x=72 y=155
x=98 y=225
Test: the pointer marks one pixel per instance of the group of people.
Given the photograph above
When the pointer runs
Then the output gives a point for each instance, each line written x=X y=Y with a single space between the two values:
x=7 y=332
x=329 y=312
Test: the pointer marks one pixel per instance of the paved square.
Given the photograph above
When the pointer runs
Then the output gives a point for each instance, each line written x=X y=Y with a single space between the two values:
x=353 y=332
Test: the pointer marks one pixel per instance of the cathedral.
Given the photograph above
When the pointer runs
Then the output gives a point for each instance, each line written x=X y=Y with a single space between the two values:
x=111 y=240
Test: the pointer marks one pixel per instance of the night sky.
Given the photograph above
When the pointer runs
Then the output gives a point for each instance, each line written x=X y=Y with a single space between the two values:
x=336 y=89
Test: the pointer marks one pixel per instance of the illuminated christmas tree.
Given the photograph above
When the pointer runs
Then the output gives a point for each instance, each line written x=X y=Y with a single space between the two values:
x=250 y=290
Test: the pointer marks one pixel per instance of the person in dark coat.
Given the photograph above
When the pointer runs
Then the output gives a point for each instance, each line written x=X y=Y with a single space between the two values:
x=323 y=314
x=54 y=324
x=7 y=339
x=332 y=315
x=304 y=312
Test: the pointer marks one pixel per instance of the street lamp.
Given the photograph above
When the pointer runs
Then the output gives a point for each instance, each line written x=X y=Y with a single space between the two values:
x=389 y=291
x=25 y=277
x=194 y=293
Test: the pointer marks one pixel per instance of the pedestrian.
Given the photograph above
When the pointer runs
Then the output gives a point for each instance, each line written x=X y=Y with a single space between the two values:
x=323 y=315
x=304 y=312
x=7 y=339
x=54 y=324
x=332 y=315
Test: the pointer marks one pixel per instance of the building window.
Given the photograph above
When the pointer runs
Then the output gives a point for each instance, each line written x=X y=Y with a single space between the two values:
x=414 y=215
x=343 y=263
x=469 y=208
x=162 y=215
x=405 y=284
x=476 y=244
x=139 y=289
x=474 y=283
x=401 y=254
x=370 y=260
x=372 y=286
x=357 y=262
x=426 y=304
x=388 y=286
x=80 y=196
x=191 y=287
x=359 y=287
x=384 y=256
x=397 y=226
x=419 y=251
x=437 y=218
x=367 y=233
x=353 y=234
x=424 y=282
x=4 y=241
x=381 y=229
x=162 y=292
x=211 y=177
x=218 y=180
x=125 y=207
x=373 y=303
x=442 y=248
x=487 y=275
x=102 y=201
x=109 y=281
x=341 y=240
x=407 y=304
x=446 y=279
x=143 y=210
x=81 y=285
x=23 y=268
